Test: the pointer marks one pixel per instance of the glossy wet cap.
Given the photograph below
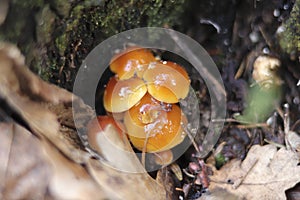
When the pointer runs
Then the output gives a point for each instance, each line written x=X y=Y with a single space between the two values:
x=121 y=95
x=155 y=125
x=131 y=61
x=167 y=81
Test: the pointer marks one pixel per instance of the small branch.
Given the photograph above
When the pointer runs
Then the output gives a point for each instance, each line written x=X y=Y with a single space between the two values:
x=191 y=138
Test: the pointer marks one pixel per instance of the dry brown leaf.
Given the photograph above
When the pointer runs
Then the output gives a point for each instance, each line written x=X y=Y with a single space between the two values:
x=125 y=185
x=266 y=173
x=293 y=140
x=46 y=111
x=24 y=173
x=19 y=79
x=4 y=5
x=69 y=180
x=28 y=95
x=122 y=171
x=117 y=151
x=33 y=169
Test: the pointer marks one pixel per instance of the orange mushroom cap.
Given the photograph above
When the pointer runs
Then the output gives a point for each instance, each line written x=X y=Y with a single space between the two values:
x=167 y=81
x=121 y=95
x=133 y=60
x=150 y=122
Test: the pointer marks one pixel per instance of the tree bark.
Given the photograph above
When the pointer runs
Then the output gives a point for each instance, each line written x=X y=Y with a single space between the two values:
x=56 y=35
x=289 y=39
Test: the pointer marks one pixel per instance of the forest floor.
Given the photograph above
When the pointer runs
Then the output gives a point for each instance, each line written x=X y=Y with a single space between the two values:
x=256 y=156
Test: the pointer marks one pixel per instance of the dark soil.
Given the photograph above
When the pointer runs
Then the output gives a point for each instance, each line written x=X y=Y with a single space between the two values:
x=235 y=33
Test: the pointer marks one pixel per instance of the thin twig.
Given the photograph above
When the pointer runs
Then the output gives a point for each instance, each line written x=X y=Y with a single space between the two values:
x=286 y=124
x=191 y=138
x=274 y=143
x=188 y=174
x=295 y=124
x=247 y=124
x=238 y=182
x=240 y=70
x=257 y=125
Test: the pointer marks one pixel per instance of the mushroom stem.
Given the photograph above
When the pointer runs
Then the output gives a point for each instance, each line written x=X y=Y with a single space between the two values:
x=144 y=150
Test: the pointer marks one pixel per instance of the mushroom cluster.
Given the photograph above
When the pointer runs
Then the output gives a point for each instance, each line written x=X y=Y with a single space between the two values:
x=144 y=94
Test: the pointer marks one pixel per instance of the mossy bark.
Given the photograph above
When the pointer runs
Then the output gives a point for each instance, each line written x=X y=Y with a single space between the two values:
x=56 y=35
x=289 y=39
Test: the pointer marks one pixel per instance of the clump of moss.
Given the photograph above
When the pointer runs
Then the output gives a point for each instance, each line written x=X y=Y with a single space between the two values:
x=61 y=44
x=220 y=160
x=115 y=16
x=289 y=39
x=62 y=7
x=45 y=19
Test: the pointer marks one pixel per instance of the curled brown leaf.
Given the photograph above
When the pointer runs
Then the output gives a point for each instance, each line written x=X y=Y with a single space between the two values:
x=41 y=153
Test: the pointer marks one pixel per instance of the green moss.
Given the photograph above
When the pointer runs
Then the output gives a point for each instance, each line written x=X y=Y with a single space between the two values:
x=75 y=16
x=160 y=8
x=115 y=16
x=62 y=7
x=220 y=160
x=289 y=40
x=45 y=24
x=61 y=44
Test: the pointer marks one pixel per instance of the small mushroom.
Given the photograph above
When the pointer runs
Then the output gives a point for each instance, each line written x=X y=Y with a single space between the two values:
x=121 y=95
x=153 y=121
x=98 y=125
x=164 y=158
x=154 y=127
x=130 y=62
x=265 y=71
x=167 y=81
